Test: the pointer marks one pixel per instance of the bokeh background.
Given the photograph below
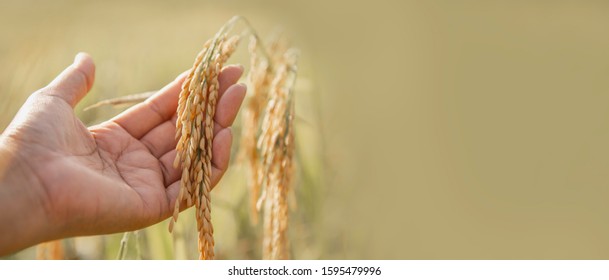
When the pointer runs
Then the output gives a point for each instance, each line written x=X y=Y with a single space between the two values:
x=426 y=129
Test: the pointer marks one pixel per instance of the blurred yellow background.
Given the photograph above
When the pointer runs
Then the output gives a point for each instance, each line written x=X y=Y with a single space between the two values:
x=426 y=129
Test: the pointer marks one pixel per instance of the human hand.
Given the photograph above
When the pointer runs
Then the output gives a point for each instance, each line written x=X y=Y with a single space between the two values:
x=59 y=178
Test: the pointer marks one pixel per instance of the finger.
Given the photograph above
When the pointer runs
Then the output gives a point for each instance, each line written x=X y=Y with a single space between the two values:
x=75 y=81
x=161 y=139
x=160 y=107
x=172 y=194
x=170 y=174
x=228 y=105
x=161 y=142
x=228 y=77
x=221 y=154
x=220 y=160
x=141 y=118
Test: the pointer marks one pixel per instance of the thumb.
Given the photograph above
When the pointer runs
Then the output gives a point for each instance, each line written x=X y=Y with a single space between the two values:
x=75 y=81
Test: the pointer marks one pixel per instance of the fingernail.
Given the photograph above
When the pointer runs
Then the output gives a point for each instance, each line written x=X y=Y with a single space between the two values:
x=238 y=65
x=79 y=57
x=243 y=85
x=182 y=75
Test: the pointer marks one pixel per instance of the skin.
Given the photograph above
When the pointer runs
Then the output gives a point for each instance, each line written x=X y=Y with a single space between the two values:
x=59 y=178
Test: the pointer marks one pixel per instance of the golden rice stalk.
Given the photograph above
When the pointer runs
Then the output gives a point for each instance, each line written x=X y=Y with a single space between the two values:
x=194 y=128
x=52 y=250
x=259 y=79
x=123 y=100
x=276 y=145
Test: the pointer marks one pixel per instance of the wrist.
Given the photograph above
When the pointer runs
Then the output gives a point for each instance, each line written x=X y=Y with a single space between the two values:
x=23 y=220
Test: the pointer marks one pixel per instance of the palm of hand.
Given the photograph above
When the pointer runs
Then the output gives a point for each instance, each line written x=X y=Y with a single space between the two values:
x=103 y=172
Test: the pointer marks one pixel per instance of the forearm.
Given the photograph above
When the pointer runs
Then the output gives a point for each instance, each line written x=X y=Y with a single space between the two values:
x=22 y=222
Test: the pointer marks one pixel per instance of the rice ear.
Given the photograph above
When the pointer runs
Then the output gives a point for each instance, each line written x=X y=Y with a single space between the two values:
x=194 y=131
